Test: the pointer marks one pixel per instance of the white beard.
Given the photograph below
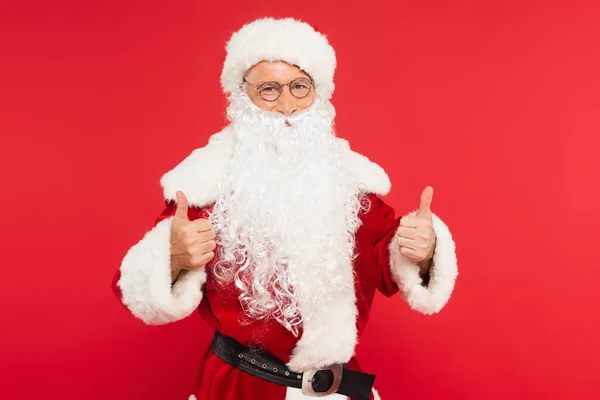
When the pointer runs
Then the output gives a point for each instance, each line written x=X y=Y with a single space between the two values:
x=286 y=215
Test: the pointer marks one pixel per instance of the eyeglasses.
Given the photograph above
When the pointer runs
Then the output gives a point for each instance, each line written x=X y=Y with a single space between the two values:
x=270 y=91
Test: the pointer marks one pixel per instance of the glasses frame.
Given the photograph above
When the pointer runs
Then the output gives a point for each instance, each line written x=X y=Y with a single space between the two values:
x=289 y=85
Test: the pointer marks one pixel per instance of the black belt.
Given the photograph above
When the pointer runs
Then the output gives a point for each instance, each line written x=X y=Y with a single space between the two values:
x=334 y=379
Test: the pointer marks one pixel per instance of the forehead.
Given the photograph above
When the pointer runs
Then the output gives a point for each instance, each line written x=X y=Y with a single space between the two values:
x=278 y=71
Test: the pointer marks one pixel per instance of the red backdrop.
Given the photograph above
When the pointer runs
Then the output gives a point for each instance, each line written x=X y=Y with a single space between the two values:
x=494 y=105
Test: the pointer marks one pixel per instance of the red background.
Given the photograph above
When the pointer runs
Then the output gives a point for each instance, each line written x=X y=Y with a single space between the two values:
x=494 y=105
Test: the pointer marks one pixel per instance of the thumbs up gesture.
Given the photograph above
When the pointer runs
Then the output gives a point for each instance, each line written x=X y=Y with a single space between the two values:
x=416 y=237
x=192 y=242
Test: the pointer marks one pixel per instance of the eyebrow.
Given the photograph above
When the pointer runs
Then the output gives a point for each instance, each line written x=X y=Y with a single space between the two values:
x=272 y=80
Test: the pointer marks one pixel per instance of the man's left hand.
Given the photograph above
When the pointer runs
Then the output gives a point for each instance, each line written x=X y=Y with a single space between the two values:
x=416 y=237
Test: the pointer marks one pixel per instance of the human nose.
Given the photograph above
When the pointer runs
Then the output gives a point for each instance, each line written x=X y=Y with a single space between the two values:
x=286 y=104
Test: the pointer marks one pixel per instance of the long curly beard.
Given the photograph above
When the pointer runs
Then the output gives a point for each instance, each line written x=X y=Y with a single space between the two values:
x=287 y=213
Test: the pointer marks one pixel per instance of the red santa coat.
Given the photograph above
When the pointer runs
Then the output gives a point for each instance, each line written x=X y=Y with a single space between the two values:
x=142 y=283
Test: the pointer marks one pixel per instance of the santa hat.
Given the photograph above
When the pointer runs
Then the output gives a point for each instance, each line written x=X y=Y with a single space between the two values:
x=288 y=40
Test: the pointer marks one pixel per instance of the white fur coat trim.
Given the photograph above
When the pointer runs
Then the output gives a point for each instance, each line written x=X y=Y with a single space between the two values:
x=329 y=337
x=296 y=394
x=405 y=272
x=145 y=281
x=288 y=40
x=199 y=174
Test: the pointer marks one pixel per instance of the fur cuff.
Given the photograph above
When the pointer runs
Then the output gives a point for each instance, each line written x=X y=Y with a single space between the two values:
x=444 y=270
x=146 y=280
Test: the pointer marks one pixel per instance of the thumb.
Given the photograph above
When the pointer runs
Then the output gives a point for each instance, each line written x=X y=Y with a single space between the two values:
x=426 y=198
x=182 y=206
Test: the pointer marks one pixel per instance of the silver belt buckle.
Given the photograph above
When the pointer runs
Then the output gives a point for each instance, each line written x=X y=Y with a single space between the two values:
x=308 y=379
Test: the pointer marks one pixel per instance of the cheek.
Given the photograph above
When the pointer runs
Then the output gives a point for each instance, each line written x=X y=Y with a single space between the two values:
x=261 y=103
x=306 y=102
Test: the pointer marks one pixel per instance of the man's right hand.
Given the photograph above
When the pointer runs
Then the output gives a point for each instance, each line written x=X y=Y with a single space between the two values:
x=192 y=242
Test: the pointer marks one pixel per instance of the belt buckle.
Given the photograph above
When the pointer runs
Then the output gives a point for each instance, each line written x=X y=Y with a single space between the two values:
x=308 y=379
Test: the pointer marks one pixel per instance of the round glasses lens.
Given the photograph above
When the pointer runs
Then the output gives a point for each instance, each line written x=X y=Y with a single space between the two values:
x=270 y=91
x=300 y=87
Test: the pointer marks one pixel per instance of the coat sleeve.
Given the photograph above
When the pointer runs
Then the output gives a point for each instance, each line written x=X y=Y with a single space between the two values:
x=143 y=281
x=427 y=295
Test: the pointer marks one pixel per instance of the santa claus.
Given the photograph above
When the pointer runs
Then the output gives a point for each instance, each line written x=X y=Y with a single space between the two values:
x=276 y=233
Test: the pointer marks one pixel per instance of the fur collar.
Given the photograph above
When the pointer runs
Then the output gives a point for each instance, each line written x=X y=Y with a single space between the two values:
x=199 y=174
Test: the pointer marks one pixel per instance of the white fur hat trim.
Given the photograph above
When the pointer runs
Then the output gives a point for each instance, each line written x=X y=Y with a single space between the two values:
x=288 y=40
